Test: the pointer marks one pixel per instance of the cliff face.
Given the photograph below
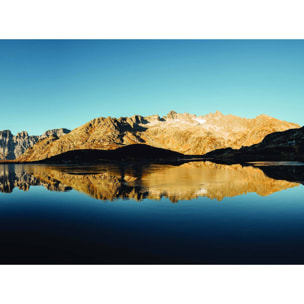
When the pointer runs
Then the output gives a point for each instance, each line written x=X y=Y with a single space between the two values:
x=11 y=147
x=184 y=133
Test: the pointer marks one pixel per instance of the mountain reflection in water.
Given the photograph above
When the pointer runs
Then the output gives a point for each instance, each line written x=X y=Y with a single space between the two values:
x=133 y=181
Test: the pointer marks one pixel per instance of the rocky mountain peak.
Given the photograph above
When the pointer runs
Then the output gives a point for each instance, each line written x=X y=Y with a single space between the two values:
x=264 y=116
x=171 y=115
x=153 y=118
x=5 y=134
x=55 y=132
x=22 y=134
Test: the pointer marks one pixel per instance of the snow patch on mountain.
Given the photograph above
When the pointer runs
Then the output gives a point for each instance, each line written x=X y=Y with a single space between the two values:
x=200 y=120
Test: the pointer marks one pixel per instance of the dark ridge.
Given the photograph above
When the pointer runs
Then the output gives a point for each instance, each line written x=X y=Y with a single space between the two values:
x=279 y=146
x=290 y=173
x=137 y=152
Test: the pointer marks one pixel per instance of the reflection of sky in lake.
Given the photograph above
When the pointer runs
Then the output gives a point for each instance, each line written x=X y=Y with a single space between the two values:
x=41 y=226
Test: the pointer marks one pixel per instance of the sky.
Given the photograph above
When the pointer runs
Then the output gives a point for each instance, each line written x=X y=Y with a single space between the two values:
x=48 y=84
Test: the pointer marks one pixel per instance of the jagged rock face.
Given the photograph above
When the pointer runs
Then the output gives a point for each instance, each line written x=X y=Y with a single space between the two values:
x=11 y=147
x=184 y=133
x=5 y=143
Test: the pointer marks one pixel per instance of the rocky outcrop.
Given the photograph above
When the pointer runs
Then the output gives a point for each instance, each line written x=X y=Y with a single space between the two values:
x=278 y=146
x=183 y=133
x=11 y=147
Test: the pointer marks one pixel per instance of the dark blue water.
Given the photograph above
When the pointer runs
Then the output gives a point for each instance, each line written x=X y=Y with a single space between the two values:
x=51 y=223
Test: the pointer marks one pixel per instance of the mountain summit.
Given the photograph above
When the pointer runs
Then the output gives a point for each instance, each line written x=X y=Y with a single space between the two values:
x=184 y=133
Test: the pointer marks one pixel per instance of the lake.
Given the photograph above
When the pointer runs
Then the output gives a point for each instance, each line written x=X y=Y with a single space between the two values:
x=191 y=213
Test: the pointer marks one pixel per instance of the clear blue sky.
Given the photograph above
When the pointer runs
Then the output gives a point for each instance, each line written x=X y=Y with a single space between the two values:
x=46 y=84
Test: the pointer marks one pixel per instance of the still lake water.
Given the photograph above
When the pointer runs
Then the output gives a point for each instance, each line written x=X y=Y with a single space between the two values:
x=197 y=212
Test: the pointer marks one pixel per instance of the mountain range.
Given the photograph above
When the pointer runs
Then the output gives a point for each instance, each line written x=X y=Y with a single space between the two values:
x=184 y=133
x=13 y=146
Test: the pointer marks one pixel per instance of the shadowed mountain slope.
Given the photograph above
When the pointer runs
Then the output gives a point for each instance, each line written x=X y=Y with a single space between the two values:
x=278 y=146
x=127 y=153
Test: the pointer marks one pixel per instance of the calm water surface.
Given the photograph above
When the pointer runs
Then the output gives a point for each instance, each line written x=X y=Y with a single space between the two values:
x=197 y=212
